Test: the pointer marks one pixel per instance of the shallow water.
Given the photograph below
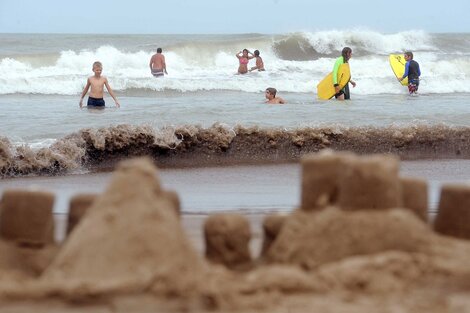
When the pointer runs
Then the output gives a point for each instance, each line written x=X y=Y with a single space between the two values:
x=41 y=119
x=43 y=131
x=249 y=189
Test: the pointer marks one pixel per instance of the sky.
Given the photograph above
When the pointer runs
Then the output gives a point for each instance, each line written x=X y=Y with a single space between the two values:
x=230 y=17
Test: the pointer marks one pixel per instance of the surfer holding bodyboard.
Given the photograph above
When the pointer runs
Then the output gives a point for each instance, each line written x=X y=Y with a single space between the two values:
x=342 y=93
x=412 y=71
x=336 y=83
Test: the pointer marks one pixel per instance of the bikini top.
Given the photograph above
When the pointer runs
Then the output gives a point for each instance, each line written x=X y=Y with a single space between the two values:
x=243 y=61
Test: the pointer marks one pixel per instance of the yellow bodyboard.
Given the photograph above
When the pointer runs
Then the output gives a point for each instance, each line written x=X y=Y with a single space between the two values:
x=326 y=89
x=398 y=62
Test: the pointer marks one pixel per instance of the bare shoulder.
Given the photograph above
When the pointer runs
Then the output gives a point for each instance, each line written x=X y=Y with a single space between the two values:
x=276 y=100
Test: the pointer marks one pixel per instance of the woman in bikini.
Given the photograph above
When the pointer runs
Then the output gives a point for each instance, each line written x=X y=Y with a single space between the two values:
x=244 y=57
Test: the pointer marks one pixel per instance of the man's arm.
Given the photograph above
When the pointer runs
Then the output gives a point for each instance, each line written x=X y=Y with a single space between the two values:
x=338 y=62
x=164 y=64
x=84 y=92
x=151 y=63
x=111 y=92
x=407 y=70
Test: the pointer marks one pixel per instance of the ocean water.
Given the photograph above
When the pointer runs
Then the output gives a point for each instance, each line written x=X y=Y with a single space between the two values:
x=202 y=114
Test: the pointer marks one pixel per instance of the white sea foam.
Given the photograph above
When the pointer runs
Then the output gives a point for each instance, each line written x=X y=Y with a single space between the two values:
x=329 y=42
x=294 y=63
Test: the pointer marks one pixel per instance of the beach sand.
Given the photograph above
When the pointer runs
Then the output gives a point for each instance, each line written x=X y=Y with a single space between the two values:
x=411 y=270
x=255 y=190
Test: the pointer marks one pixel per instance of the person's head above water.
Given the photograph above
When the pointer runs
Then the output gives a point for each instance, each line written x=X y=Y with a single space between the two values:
x=256 y=53
x=409 y=55
x=97 y=68
x=271 y=91
x=159 y=50
x=97 y=64
x=346 y=53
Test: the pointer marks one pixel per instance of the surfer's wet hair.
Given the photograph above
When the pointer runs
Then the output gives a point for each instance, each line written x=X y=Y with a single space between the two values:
x=345 y=53
x=271 y=91
x=409 y=54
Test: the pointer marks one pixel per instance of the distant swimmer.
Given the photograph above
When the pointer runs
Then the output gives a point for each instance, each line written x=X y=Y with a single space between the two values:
x=271 y=98
x=244 y=57
x=259 y=62
x=412 y=71
x=157 y=64
x=342 y=94
x=97 y=83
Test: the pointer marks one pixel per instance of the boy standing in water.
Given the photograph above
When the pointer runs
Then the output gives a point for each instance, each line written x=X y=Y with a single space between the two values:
x=412 y=71
x=344 y=58
x=157 y=64
x=97 y=83
x=259 y=62
x=271 y=96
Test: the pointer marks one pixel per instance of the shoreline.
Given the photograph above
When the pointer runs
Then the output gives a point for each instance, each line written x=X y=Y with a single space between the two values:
x=202 y=190
x=223 y=145
x=242 y=188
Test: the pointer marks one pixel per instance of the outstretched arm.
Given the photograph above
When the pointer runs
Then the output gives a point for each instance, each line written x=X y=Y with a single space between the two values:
x=84 y=92
x=111 y=92
x=407 y=70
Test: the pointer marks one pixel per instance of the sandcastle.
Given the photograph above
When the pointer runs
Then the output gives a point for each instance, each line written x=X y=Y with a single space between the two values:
x=360 y=228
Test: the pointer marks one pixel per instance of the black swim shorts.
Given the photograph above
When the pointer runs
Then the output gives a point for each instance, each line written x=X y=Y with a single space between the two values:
x=95 y=102
x=345 y=92
x=339 y=94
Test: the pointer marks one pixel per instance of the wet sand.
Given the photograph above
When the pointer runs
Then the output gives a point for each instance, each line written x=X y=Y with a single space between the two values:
x=247 y=189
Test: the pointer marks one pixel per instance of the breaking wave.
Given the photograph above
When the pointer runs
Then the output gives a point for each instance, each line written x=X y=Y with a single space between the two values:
x=97 y=149
x=295 y=61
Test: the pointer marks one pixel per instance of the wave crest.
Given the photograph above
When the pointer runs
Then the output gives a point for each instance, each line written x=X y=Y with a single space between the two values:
x=296 y=61
x=311 y=46
x=192 y=145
